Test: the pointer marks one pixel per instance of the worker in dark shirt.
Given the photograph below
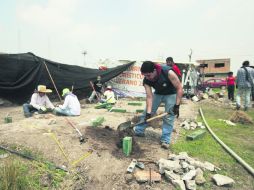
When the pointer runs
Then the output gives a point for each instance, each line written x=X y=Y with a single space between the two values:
x=97 y=90
x=168 y=89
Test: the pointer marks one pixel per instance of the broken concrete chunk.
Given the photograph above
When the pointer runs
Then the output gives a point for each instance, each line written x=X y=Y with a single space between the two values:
x=199 y=177
x=193 y=125
x=190 y=175
x=184 y=164
x=132 y=165
x=171 y=156
x=190 y=184
x=196 y=135
x=199 y=124
x=140 y=165
x=179 y=184
x=222 y=180
x=170 y=175
x=209 y=166
x=168 y=165
x=195 y=99
x=143 y=176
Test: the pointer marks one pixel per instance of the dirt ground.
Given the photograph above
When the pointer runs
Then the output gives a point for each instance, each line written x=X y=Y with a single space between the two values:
x=106 y=167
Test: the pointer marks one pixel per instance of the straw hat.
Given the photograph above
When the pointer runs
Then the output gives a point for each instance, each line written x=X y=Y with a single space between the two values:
x=43 y=89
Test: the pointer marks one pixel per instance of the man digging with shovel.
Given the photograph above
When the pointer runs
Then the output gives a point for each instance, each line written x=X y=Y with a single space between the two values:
x=168 y=89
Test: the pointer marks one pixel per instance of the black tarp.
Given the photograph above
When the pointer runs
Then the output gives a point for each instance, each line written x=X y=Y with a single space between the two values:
x=21 y=73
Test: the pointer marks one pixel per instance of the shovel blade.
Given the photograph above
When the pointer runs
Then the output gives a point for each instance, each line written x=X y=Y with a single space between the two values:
x=124 y=126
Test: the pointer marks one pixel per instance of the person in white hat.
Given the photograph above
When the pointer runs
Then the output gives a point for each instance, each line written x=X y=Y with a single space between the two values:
x=71 y=106
x=39 y=102
x=109 y=96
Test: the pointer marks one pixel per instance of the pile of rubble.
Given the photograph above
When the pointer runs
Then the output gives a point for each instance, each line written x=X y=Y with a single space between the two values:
x=181 y=170
x=186 y=172
x=188 y=124
x=209 y=94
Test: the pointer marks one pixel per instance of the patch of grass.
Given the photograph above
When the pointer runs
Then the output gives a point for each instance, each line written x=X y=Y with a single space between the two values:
x=18 y=174
x=2 y=151
x=239 y=138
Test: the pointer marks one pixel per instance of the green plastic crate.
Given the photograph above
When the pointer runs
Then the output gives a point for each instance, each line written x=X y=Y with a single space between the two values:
x=127 y=145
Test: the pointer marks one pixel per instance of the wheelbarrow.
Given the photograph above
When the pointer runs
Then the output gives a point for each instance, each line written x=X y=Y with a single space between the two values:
x=129 y=125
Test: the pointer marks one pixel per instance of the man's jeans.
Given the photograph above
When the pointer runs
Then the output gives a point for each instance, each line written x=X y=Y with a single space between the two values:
x=245 y=94
x=28 y=110
x=168 y=120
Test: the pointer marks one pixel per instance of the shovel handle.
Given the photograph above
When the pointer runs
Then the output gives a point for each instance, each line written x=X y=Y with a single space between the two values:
x=156 y=117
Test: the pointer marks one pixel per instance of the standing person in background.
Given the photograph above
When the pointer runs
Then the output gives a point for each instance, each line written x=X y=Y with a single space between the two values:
x=231 y=86
x=252 y=88
x=168 y=90
x=97 y=91
x=244 y=83
x=170 y=62
x=39 y=102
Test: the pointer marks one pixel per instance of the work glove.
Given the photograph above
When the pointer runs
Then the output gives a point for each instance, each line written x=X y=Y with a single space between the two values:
x=176 y=110
x=148 y=116
x=43 y=108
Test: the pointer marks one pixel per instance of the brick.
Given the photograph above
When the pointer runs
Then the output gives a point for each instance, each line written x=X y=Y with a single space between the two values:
x=143 y=176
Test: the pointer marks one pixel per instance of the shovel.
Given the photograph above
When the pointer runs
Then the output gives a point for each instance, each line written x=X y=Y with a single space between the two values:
x=128 y=124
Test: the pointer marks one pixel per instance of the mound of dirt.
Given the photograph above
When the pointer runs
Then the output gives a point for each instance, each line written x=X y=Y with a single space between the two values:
x=241 y=117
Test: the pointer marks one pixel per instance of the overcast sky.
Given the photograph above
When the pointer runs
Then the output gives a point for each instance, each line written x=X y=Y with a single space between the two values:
x=61 y=30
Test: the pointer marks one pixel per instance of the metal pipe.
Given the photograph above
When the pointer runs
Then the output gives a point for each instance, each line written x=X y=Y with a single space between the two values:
x=230 y=151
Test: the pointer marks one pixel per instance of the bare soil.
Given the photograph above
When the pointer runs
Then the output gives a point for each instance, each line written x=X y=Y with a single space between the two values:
x=105 y=167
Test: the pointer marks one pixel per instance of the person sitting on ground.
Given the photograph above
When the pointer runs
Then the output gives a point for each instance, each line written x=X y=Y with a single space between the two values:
x=39 y=102
x=109 y=96
x=97 y=91
x=71 y=106
x=170 y=62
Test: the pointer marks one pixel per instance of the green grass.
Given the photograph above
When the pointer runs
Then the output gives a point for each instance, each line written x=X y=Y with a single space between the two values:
x=18 y=174
x=239 y=138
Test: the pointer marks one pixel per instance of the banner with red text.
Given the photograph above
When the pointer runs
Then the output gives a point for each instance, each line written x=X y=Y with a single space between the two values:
x=130 y=82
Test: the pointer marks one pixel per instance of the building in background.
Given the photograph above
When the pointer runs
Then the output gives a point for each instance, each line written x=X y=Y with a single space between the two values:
x=214 y=68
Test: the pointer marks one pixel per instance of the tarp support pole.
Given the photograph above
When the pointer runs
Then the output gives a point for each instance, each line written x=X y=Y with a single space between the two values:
x=52 y=81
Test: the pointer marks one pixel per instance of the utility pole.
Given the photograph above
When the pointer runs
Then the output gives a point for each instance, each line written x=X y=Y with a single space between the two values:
x=84 y=53
x=190 y=55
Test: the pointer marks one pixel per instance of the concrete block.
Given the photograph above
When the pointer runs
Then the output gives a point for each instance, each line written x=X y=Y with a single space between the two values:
x=196 y=135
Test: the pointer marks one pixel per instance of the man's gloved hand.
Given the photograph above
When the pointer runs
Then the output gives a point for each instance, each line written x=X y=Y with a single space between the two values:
x=43 y=108
x=176 y=110
x=148 y=116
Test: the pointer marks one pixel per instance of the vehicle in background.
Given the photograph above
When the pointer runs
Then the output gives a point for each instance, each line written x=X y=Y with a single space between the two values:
x=215 y=83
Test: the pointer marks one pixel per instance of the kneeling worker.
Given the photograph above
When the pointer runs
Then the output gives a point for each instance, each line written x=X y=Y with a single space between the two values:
x=39 y=102
x=71 y=106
